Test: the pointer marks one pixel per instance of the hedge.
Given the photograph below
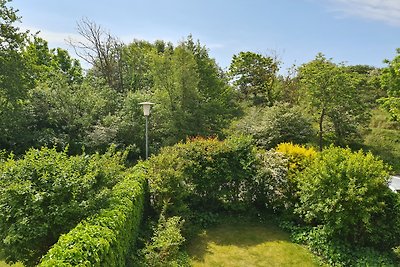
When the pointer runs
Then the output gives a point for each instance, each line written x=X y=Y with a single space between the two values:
x=105 y=239
x=203 y=174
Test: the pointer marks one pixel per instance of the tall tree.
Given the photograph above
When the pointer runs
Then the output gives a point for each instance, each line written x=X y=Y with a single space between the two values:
x=14 y=78
x=254 y=75
x=101 y=50
x=331 y=94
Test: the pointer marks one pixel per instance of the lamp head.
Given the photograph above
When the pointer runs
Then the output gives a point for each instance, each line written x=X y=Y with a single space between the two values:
x=146 y=107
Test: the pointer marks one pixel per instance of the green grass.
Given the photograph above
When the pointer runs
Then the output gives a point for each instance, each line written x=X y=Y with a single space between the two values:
x=3 y=264
x=241 y=243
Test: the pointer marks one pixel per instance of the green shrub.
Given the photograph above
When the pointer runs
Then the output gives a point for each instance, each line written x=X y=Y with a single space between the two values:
x=271 y=126
x=347 y=193
x=203 y=174
x=336 y=252
x=298 y=158
x=164 y=248
x=46 y=193
x=107 y=238
x=270 y=183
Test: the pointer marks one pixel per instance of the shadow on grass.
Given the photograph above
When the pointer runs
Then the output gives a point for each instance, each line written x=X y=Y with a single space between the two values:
x=235 y=232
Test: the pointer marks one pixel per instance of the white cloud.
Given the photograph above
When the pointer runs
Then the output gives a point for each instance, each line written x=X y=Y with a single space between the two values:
x=55 y=39
x=387 y=11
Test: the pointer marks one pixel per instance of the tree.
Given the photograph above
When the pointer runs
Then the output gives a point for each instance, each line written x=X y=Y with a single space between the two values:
x=331 y=93
x=390 y=80
x=277 y=124
x=67 y=114
x=44 y=62
x=102 y=50
x=14 y=78
x=254 y=75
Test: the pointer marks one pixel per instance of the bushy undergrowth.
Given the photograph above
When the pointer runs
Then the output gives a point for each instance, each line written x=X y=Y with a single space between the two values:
x=336 y=252
x=164 y=248
x=46 y=193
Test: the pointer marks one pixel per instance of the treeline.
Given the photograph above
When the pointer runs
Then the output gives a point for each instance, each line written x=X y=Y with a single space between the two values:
x=47 y=99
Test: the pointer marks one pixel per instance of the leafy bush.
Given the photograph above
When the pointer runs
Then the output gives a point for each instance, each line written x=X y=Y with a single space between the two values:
x=277 y=124
x=46 y=193
x=107 y=238
x=347 y=193
x=336 y=252
x=164 y=248
x=270 y=183
x=299 y=157
x=203 y=174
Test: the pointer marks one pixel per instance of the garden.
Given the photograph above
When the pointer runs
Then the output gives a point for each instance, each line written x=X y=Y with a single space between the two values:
x=248 y=166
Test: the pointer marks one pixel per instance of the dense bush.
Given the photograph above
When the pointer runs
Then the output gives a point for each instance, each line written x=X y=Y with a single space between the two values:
x=299 y=157
x=46 y=193
x=107 y=238
x=347 y=193
x=336 y=252
x=203 y=174
x=277 y=124
x=270 y=183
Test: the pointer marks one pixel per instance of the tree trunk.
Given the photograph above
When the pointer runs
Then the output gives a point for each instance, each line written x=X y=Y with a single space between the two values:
x=321 y=120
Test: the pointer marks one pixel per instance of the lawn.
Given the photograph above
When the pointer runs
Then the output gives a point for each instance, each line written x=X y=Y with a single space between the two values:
x=3 y=264
x=241 y=243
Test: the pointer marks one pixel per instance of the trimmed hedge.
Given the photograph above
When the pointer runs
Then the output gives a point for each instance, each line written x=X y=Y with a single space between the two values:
x=105 y=239
x=46 y=193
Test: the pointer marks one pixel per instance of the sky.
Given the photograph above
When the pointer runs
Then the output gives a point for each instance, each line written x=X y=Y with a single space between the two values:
x=348 y=31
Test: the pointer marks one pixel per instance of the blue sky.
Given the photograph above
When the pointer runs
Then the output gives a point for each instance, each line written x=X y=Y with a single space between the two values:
x=350 y=31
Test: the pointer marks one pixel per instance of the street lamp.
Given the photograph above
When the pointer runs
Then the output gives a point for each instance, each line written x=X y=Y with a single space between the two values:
x=146 y=112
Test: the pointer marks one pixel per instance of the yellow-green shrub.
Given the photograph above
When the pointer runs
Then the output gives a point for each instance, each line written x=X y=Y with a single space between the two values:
x=299 y=157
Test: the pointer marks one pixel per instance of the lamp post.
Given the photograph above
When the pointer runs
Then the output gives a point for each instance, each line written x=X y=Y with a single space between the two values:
x=146 y=112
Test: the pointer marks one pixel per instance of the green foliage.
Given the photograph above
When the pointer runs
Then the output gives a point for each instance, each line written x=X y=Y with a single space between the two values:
x=193 y=98
x=164 y=248
x=14 y=78
x=270 y=183
x=273 y=125
x=44 y=62
x=330 y=92
x=297 y=158
x=336 y=252
x=106 y=238
x=391 y=83
x=46 y=193
x=383 y=139
x=203 y=174
x=254 y=75
x=64 y=113
x=347 y=193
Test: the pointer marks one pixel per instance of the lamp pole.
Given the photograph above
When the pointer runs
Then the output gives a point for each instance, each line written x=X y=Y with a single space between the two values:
x=146 y=112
